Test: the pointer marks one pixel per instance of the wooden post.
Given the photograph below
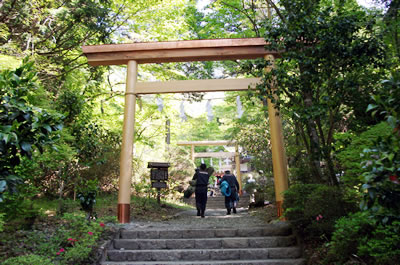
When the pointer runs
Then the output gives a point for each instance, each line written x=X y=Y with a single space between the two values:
x=279 y=160
x=192 y=152
x=237 y=164
x=125 y=178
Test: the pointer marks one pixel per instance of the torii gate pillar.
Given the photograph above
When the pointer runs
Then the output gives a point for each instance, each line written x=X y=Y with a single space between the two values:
x=279 y=160
x=125 y=179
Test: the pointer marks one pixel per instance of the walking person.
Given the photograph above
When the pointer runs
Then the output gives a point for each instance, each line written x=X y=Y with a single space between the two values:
x=202 y=177
x=232 y=199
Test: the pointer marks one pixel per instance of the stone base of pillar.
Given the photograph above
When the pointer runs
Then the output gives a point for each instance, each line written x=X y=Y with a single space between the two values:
x=124 y=213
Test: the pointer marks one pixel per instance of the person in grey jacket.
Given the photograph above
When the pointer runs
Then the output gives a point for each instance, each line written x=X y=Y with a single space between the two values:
x=231 y=201
x=202 y=177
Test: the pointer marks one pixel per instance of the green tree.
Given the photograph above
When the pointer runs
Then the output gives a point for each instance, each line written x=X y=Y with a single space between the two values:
x=330 y=59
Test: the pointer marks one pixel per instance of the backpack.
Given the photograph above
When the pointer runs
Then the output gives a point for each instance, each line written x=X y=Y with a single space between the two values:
x=225 y=188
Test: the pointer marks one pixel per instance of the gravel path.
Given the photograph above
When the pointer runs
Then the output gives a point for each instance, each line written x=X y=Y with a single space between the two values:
x=215 y=218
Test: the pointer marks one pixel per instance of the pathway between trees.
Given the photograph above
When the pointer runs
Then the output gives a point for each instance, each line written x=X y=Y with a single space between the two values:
x=216 y=239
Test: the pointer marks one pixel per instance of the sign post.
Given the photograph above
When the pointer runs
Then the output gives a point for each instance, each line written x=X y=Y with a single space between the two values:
x=158 y=176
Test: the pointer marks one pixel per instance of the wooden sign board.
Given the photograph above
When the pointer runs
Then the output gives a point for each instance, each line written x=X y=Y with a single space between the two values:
x=159 y=174
x=159 y=185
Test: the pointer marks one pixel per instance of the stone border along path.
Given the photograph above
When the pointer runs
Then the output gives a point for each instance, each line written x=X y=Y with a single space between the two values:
x=217 y=239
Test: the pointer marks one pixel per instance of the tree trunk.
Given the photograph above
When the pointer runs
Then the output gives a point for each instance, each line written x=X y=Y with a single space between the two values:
x=315 y=151
x=331 y=169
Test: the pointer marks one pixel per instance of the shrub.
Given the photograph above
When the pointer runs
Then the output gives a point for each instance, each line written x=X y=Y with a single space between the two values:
x=314 y=208
x=351 y=156
x=19 y=208
x=28 y=260
x=382 y=164
x=359 y=234
x=383 y=246
x=79 y=254
x=349 y=232
x=87 y=196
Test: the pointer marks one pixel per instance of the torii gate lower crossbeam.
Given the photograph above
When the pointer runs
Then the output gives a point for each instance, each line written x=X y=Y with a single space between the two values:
x=183 y=51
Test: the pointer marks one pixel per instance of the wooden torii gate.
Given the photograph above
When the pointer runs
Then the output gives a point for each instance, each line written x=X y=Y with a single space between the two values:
x=235 y=154
x=184 y=51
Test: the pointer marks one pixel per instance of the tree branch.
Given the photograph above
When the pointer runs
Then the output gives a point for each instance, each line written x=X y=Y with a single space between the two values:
x=278 y=12
x=246 y=14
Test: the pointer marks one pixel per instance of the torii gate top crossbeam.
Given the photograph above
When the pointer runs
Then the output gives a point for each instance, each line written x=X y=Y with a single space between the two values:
x=177 y=51
x=206 y=143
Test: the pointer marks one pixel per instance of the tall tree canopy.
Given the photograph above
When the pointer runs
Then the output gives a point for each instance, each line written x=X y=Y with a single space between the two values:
x=330 y=62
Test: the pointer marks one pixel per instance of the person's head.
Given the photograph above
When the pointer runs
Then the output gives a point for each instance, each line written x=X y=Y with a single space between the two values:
x=203 y=166
x=227 y=172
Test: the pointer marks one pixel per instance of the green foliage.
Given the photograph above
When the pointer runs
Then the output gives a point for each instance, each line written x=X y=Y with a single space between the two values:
x=350 y=231
x=314 y=208
x=350 y=148
x=28 y=260
x=226 y=19
x=87 y=196
x=1 y=222
x=70 y=240
x=382 y=164
x=20 y=209
x=329 y=65
x=25 y=128
x=384 y=245
x=359 y=234
x=180 y=171
x=373 y=234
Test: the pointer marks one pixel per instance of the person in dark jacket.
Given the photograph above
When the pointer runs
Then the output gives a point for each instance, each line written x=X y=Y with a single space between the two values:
x=231 y=201
x=202 y=177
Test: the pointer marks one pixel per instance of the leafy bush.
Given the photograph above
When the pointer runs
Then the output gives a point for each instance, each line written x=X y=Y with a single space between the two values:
x=25 y=127
x=351 y=156
x=359 y=235
x=314 y=208
x=20 y=209
x=382 y=181
x=383 y=247
x=87 y=197
x=349 y=232
x=28 y=260
x=382 y=165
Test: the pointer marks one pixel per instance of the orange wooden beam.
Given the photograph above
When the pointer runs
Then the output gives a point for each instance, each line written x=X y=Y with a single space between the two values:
x=176 y=51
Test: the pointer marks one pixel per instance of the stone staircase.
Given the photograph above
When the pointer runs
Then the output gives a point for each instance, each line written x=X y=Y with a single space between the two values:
x=269 y=244
x=218 y=202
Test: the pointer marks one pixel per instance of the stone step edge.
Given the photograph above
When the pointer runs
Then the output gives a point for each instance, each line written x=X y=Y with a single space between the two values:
x=190 y=254
x=196 y=250
x=216 y=262
x=213 y=238
x=225 y=243
x=204 y=233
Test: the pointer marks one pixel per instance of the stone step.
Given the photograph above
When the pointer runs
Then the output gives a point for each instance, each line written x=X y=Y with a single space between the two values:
x=219 y=262
x=204 y=254
x=205 y=243
x=279 y=229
